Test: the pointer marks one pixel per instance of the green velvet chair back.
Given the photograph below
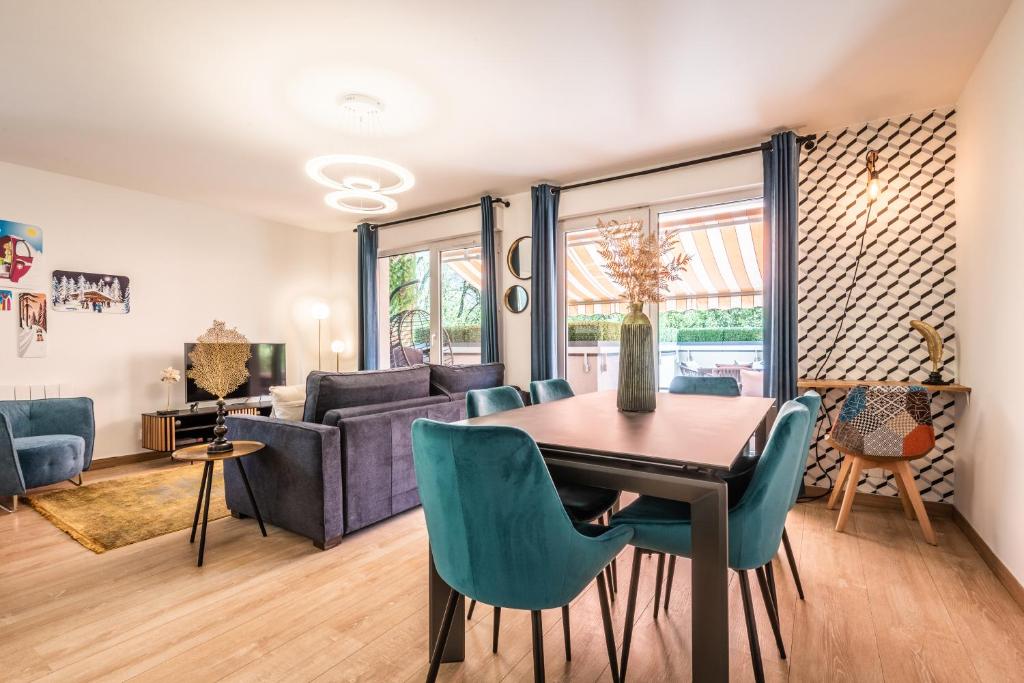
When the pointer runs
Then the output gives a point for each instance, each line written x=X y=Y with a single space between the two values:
x=755 y=525
x=546 y=390
x=498 y=531
x=708 y=386
x=495 y=400
x=812 y=401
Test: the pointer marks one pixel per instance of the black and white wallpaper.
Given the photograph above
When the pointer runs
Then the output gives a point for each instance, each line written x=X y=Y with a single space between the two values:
x=908 y=272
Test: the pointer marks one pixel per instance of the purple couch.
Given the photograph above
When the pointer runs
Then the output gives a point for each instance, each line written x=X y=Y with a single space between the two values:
x=348 y=463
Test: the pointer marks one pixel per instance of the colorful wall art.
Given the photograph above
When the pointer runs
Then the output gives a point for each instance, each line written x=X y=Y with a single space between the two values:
x=6 y=300
x=89 y=292
x=31 y=325
x=21 y=247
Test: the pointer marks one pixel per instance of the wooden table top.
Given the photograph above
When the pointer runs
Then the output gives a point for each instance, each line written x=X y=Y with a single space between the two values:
x=705 y=431
x=197 y=453
x=806 y=383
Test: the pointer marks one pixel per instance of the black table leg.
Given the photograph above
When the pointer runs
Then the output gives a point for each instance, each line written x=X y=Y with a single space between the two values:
x=208 y=466
x=438 y=592
x=248 y=489
x=199 y=504
x=710 y=581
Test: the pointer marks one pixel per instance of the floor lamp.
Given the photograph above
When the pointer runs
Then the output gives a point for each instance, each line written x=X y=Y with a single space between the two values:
x=321 y=312
x=337 y=348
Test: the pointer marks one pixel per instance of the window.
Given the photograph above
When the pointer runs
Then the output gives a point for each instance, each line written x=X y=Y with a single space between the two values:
x=711 y=320
x=430 y=304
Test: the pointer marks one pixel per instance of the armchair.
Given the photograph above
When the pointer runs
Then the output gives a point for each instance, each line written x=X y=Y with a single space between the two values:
x=44 y=441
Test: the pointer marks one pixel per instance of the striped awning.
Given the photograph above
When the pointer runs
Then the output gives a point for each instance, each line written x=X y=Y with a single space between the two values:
x=465 y=262
x=725 y=245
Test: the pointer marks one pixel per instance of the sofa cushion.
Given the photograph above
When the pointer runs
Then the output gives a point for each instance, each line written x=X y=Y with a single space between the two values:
x=48 y=459
x=288 y=402
x=458 y=379
x=333 y=417
x=330 y=390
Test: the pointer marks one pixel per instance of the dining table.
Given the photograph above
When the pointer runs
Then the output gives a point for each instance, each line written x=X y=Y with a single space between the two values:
x=678 y=451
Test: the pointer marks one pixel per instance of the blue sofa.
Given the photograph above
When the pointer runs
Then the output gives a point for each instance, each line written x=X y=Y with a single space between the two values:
x=348 y=463
x=44 y=441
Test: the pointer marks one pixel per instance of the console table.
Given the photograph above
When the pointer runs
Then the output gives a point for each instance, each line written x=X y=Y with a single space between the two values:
x=171 y=431
x=806 y=383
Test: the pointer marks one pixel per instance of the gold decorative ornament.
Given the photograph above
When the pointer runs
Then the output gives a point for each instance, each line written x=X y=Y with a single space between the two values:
x=934 y=341
x=219 y=366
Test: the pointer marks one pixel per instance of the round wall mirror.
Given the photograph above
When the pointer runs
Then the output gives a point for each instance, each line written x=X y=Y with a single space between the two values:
x=516 y=298
x=520 y=256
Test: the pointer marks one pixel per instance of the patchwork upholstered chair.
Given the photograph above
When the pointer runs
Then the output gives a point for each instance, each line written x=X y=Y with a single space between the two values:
x=883 y=427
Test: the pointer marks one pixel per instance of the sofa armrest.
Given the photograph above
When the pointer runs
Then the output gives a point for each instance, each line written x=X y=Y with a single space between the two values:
x=65 y=416
x=12 y=482
x=296 y=479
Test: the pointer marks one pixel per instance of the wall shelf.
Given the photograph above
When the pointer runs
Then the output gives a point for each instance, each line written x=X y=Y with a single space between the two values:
x=851 y=383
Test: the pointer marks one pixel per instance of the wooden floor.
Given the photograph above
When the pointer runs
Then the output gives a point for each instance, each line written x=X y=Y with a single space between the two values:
x=881 y=606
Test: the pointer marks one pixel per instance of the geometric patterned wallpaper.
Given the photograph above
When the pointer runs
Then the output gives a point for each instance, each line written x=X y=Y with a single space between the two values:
x=907 y=272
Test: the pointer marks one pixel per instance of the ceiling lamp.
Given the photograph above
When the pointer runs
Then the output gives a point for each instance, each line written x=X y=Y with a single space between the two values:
x=315 y=169
x=360 y=201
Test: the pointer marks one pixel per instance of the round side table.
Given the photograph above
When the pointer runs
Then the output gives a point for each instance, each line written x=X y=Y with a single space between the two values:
x=197 y=453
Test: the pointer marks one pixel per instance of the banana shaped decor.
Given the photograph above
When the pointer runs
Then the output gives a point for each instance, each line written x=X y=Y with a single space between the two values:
x=931 y=336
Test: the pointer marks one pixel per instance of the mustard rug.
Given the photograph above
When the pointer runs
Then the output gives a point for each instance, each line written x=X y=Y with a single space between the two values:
x=118 y=512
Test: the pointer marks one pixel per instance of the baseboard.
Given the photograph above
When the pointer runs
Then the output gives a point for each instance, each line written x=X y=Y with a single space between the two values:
x=130 y=459
x=934 y=508
x=1002 y=572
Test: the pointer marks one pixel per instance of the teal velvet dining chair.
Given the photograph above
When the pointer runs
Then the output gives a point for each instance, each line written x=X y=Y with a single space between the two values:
x=498 y=532
x=755 y=527
x=706 y=386
x=481 y=402
x=544 y=390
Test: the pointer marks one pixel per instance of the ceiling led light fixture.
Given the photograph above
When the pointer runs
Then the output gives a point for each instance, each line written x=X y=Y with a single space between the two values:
x=359 y=192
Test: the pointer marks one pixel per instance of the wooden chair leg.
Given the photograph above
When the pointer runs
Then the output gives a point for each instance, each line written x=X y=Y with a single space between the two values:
x=609 y=629
x=851 y=491
x=565 y=633
x=538 y=646
x=908 y=508
x=627 y=633
x=442 y=636
x=668 y=579
x=772 y=608
x=497 y=626
x=748 y=612
x=844 y=470
x=657 y=583
x=903 y=470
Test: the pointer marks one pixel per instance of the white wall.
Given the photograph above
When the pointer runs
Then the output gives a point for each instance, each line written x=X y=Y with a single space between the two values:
x=516 y=221
x=989 y=178
x=188 y=264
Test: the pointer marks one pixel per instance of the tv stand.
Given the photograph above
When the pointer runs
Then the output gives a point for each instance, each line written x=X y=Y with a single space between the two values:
x=170 y=431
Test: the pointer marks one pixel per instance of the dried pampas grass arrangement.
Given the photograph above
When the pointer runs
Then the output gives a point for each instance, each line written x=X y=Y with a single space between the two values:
x=642 y=264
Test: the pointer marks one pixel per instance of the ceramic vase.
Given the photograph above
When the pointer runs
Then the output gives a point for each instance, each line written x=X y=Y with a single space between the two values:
x=638 y=380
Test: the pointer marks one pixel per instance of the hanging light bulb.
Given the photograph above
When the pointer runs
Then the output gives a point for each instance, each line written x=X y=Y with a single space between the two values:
x=874 y=188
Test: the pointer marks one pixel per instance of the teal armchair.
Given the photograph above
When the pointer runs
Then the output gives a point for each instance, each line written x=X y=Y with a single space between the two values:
x=44 y=441
x=755 y=526
x=498 y=531
x=542 y=391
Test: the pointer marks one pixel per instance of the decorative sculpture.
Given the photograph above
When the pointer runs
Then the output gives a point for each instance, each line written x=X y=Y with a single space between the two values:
x=219 y=366
x=934 y=341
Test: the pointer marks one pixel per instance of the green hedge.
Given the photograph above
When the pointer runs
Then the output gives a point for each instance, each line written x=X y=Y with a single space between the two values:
x=463 y=334
x=593 y=331
x=719 y=334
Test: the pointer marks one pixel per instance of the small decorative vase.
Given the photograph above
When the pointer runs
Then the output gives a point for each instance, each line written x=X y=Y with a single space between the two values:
x=638 y=383
x=219 y=443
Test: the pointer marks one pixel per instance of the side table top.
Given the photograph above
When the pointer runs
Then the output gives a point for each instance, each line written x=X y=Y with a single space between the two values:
x=197 y=452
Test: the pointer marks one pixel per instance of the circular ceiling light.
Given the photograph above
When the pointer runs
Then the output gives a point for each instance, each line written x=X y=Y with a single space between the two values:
x=354 y=182
x=360 y=201
x=315 y=169
x=360 y=105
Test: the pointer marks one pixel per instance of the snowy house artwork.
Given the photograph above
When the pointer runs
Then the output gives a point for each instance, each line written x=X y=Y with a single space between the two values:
x=89 y=292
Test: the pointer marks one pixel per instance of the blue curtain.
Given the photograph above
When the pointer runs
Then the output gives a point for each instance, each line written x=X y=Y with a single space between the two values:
x=488 y=285
x=543 y=305
x=368 y=343
x=781 y=178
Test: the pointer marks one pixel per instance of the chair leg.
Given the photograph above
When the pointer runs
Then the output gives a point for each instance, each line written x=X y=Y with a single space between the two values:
x=497 y=625
x=538 y=646
x=14 y=505
x=615 y=577
x=668 y=580
x=903 y=470
x=77 y=483
x=607 y=571
x=609 y=629
x=748 y=612
x=792 y=563
x=472 y=606
x=851 y=492
x=442 y=636
x=844 y=469
x=908 y=509
x=565 y=633
x=769 y=572
x=772 y=608
x=627 y=634
x=657 y=583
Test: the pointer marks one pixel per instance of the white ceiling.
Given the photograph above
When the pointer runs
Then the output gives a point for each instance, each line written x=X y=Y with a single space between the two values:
x=223 y=102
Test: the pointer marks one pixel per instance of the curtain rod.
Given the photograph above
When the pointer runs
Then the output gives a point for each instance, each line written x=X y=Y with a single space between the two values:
x=377 y=226
x=806 y=141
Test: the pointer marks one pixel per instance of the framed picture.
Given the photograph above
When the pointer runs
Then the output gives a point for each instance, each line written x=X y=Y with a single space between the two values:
x=6 y=300
x=31 y=325
x=21 y=247
x=71 y=290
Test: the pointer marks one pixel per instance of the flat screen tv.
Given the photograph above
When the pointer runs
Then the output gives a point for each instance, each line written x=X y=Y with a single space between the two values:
x=266 y=369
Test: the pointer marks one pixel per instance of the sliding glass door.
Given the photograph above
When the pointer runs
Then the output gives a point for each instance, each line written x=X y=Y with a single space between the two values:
x=460 y=302
x=403 y=292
